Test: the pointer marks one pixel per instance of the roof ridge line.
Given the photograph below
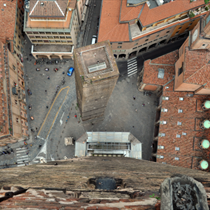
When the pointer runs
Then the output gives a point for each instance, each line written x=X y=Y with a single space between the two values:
x=59 y=7
x=34 y=7
x=195 y=72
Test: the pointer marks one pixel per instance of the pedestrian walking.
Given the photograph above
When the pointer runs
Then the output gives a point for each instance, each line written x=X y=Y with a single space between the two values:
x=40 y=146
x=36 y=129
x=25 y=143
x=47 y=107
x=134 y=97
x=68 y=117
x=48 y=77
x=75 y=116
x=45 y=91
x=143 y=104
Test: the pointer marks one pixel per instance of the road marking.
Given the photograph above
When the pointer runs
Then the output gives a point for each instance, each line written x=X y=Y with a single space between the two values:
x=21 y=156
x=57 y=112
x=51 y=108
x=132 y=67
x=61 y=121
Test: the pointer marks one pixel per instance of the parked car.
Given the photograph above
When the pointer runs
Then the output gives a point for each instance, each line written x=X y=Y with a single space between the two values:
x=37 y=69
x=46 y=69
x=70 y=71
x=29 y=92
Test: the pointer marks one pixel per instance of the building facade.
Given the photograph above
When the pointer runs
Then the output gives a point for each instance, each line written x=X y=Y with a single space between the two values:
x=181 y=79
x=52 y=27
x=96 y=74
x=12 y=27
x=13 y=120
x=138 y=26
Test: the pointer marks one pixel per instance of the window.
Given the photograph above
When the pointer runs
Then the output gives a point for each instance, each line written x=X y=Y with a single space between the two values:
x=134 y=48
x=15 y=101
x=136 y=43
x=167 y=32
x=180 y=71
x=176 y=158
x=120 y=43
x=157 y=35
x=17 y=120
x=119 y=47
x=146 y=40
x=187 y=28
x=179 y=28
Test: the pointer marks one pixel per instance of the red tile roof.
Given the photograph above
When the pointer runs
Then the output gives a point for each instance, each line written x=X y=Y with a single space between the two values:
x=189 y=152
x=115 y=11
x=7 y=20
x=110 y=28
x=48 y=9
x=197 y=68
x=151 y=69
x=129 y=13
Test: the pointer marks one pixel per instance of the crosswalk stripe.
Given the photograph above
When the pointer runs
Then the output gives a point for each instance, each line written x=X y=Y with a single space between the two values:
x=133 y=67
x=20 y=148
x=132 y=74
x=135 y=70
x=21 y=165
x=133 y=64
x=21 y=156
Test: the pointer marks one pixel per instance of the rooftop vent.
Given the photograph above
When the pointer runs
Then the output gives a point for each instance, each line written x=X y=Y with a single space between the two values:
x=165 y=98
x=163 y=122
x=177 y=148
x=179 y=123
x=161 y=134
x=184 y=134
x=206 y=105
x=164 y=110
x=176 y=158
x=161 y=147
x=203 y=165
x=160 y=156
x=180 y=111
x=178 y=136
x=181 y=99
x=160 y=73
x=204 y=144
x=42 y=3
x=205 y=124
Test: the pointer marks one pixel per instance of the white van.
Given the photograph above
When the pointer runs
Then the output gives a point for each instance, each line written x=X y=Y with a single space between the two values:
x=93 y=40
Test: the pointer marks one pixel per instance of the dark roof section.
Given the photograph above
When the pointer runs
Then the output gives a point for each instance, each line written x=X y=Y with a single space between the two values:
x=135 y=2
x=49 y=8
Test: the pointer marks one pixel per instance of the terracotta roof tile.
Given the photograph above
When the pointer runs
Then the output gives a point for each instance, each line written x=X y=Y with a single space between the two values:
x=7 y=20
x=129 y=13
x=151 y=69
x=110 y=28
x=189 y=152
x=110 y=16
x=197 y=72
x=49 y=9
